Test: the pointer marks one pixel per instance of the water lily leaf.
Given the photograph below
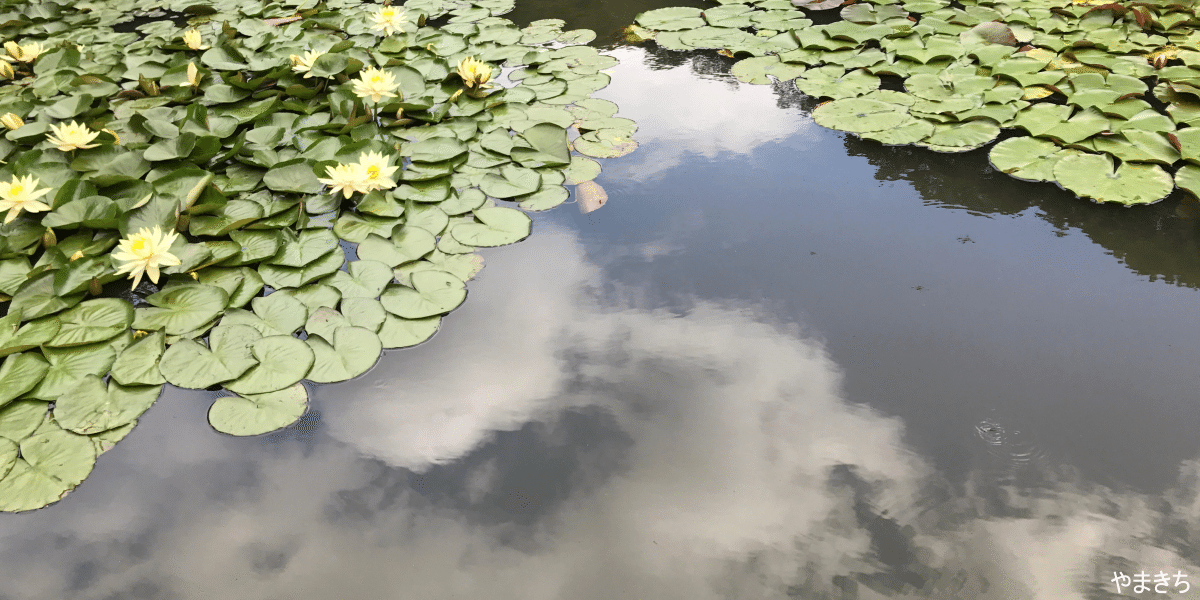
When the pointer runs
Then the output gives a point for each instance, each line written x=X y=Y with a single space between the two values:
x=305 y=248
x=545 y=198
x=496 y=227
x=181 y=308
x=19 y=373
x=241 y=284
x=1093 y=176
x=293 y=177
x=69 y=365
x=313 y=296
x=323 y=322
x=909 y=132
x=671 y=19
x=437 y=149
x=1138 y=146
x=366 y=279
x=256 y=414
x=283 y=277
x=188 y=364
x=1082 y=125
x=355 y=228
x=580 y=170
x=548 y=147
x=367 y=313
x=38 y=298
x=398 y=332
x=282 y=361
x=604 y=143
x=53 y=461
x=138 y=363
x=1187 y=178
x=860 y=115
x=20 y=419
x=759 y=69
x=432 y=293
x=406 y=245
x=354 y=350
x=255 y=245
x=19 y=339
x=512 y=181
x=1027 y=158
x=93 y=321
x=88 y=407
x=961 y=137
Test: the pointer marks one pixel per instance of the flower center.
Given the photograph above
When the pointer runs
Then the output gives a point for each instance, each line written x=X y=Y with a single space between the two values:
x=378 y=79
x=16 y=189
x=373 y=172
x=139 y=247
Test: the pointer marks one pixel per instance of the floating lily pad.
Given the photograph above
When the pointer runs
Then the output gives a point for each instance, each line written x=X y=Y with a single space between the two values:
x=181 y=308
x=860 y=115
x=89 y=407
x=256 y=414
x=188 y=364
x=1094 y=176
x=496 y=227
x=53 y=461
x=432 y=293
x=282 y=361
x=352 y=352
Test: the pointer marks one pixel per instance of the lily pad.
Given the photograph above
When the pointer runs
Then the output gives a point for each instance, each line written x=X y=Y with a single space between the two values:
x=138 y=363
x=352 y=352
x=1094 y=176
x=188 y=364
x=53 y=461
x=181 y=308
x=89 y=407
x=432 y=293
x=19 y=374
x=92 y=321
x=860 y=115
x=282 y=361
x=497 y=227
x=256 y=414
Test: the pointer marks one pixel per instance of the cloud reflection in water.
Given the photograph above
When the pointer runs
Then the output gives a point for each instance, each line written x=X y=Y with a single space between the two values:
x=550 y=443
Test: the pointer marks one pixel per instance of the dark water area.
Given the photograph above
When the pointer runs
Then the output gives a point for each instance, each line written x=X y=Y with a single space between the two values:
x=781 y=362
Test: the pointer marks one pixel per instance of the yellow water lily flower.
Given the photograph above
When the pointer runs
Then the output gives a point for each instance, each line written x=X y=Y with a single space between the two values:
x=193 y=74
x=474 y=73
x=11 y=121
x=379 y=172
x=25 y=53
x=193 y=40
x=6 y=70
x=375 y=84
x=347 y=179
x=389 y=19
x=72 y=136
x=21 y=194
x=144 y=252
x=301 y=64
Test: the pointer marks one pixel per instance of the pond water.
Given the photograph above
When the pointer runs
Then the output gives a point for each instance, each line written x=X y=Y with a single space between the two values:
x=780 y=362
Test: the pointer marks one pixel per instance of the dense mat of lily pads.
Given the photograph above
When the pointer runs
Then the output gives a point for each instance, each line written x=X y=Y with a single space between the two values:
x=1108 y=92
x=226 y=169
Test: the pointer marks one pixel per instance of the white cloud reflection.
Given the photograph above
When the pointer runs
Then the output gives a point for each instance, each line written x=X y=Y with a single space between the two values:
x=720 y=461
x=734 y=118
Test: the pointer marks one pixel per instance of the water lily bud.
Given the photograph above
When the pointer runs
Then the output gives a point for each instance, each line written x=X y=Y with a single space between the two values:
x=193 y=74
x=193 y=40
x=94 y=287
x=78 y=255
x=6 y=70
x=11 y=121
x=182 y=224
x=49 y=239
x=116 y=137
x=148 y=86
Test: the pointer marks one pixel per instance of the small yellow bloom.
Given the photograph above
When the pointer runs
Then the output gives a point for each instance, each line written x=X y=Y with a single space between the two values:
x=389 y=19
x=375 y=84
x=193 y=74
x=140 y=333
x=194 y=276
x=72 y=136
x=301 y=64
x=78 y=255
x=144 y=252
x=347 y=179
x=193 y=40
x=21 y=194
x=379 y=172
x=6 y=70
x=474 y=73
x=25 y=53
x=11 y=121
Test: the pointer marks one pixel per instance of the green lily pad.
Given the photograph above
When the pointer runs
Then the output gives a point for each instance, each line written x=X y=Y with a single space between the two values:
x=671 y=19
x=53 y=461
x=512 y=181
x=432 y=293
x=496 y=227
x=138 y=363
x=548 y=147
x=181 y=308
x=354 y=350
x=188 y=364
x=367 y=313
x=406 y=245
x=69 y=365
x=283 y=277
x=20 y=419
x=1027 y=158
x=1187 y=178
x=366 y=279
x=835 y=82
x=256 y=414
x=398 y=332
x=758 y=70
x=89 y=407
x=16 y=338
x=282 y=361
x=19 y=373
x=1094 y=176
x=860 y=115
x=93 y=321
